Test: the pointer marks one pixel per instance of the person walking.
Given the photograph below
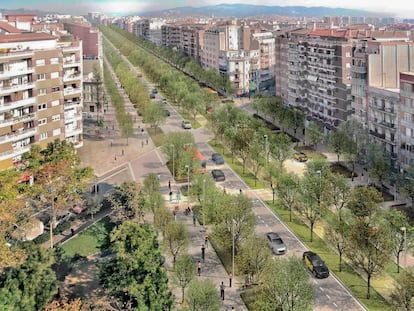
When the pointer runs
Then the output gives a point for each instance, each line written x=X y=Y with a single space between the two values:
x=206 y=240
x=171 y=195
x=232 y=309
x=169 y=185
x=199 y=268
x=203 y=252
x=194 y=218
x=230 y=278
x=222 y=291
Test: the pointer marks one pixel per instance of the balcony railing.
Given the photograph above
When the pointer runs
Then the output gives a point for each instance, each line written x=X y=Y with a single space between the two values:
x=23 y=133
x=14 y=120
x=16 y=88
x=359 y=69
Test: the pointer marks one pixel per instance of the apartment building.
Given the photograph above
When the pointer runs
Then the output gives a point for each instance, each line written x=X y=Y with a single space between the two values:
x=406 y=121
x=91 y=38
x=189 y=41
x=266 y=48
x=376 y=73
x=40 y=93
x=213 y=43
x=281 y=67
x=141 y=28
x=319 y=75
x=170 y=35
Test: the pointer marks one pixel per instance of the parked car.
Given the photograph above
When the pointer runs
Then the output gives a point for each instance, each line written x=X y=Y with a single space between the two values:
x=152 y=95
x=167 y=113
x=315 y=264
x=218 y=175
x=217 y=158
x=164 y=101
x=154 y=91
x=300 y=156
x=186 y=125
x=139 y=75
x=276 y=243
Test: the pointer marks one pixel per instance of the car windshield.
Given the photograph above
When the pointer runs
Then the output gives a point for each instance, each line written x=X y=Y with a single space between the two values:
x=277 y=241
x=318 y=262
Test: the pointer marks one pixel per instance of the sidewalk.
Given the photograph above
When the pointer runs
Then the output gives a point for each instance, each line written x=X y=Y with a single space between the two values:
x=212 y=267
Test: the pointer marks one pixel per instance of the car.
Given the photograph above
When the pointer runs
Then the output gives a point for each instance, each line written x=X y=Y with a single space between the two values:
x=217 y=158
x=315 y=264
x=186 y=125
x=218 y=175
x=154 y=91
x=300 y=156
x=77 y=209
x=164 y=101
x=167 y=113
x=276 y=243
x=139 y=75
x=152 y=95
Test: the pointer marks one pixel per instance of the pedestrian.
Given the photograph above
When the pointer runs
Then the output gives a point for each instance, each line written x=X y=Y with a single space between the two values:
x=123 y=152
x=241 y=191
x=169 y=185
x=171 y=194
x=199 y=268
x=115 y=157
x=146 y=140
x=194 y=218
x=222 y=291
x=232 y=309
x=230 y=279
x=142 y=144
x=158 y=177
x=142 y=131
x=112 y=142
x=203 y=252
x=206 y=240
x=72 y=231
x=175 y=215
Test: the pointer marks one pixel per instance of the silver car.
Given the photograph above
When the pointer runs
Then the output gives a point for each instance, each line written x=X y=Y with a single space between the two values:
x=186 y=125
x=276 y=243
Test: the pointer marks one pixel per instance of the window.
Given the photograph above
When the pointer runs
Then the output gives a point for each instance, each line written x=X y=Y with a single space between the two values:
x=56 y=132
x=42 y=121
x=54 y=75
x=41 y=76
x=40 y=62
x=348 y=65
x=41 y=107
x=56 y=117
x=43 y=136
x=54 y=60
x=55 y=89
x=55 y=103
x=42 y=92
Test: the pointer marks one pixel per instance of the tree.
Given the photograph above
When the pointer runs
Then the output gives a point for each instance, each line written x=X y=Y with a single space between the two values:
x=408 y=185
x=399 y=220
x=340 y=193
x=280 y=146
x=135 y=275
x=253 y=256
x=203 y=296
x=242 y=143
x=127 y=126
x=128 y=202
x=314 y=134
x=30 y=286
x=176 y=238
x=284 y=285
x=370 y=248
x=287 y=188
x=379 y=163
x=235 y=220
x=162 y=218
x=256 y=159
x=338 y=235
x=337 y=142
x=364 y=201
x=184 y=272
x=154 y=114
x=402 y=297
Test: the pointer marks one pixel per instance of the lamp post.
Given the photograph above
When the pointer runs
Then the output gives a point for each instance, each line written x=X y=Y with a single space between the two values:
x=204 y=204
x=266 y=148
x=188 y=179
x=232 y=249
x=404 y=229
x=273 y=192
x=173 y=158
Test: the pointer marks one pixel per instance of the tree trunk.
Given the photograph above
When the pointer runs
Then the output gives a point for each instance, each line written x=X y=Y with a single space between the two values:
x=369 y=287
x=340 y=261
x=182 y=291
x=398 y=262
x=311 y=233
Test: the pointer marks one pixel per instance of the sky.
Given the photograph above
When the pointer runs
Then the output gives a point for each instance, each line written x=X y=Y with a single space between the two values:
x=400 y=8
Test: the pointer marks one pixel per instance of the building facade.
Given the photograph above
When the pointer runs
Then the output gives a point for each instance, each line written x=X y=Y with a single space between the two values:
x=40 y=93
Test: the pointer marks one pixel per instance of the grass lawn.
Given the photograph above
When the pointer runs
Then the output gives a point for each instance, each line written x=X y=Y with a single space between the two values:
x=157 y=136
x=90 y=241
x=351 y=279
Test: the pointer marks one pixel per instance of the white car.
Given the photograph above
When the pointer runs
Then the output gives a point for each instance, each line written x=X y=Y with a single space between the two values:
x=186 y=125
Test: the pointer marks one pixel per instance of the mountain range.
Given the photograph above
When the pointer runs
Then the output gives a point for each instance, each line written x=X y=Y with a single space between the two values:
x=247 y=10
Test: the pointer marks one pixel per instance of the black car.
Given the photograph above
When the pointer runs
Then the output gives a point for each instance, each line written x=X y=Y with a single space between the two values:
x=218 y=175
x=154 y=91
x=152 y=95
x=217 y=158
x=167 y=113
x=315 y=264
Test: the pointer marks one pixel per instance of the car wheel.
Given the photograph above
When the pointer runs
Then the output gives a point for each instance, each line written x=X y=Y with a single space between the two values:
x=314 y=273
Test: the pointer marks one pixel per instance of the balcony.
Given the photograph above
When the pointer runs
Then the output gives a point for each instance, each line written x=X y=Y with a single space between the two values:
x=16 y=88
x=16 y=104
x=71 y=63
x=405 y=93
x=71 y=77
x=71 y=90
x=72 y=104
x=14 y=153
x=359 y=69
x=11 y=121
x=14 y=73
x=21 y=134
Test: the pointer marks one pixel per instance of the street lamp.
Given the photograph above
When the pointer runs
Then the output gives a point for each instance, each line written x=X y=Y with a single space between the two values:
x=273 y=192
x=266 y=148
x=232 y=250
x=204 y=204
x=404 y=229
x=188 y=179
x=173 y=158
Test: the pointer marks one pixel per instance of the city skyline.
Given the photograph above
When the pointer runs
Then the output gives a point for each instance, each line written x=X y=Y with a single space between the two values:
x=397 y=7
